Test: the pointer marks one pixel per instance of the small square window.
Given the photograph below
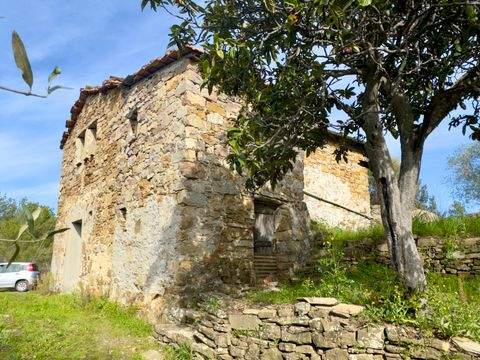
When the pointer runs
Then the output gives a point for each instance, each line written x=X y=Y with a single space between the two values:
x=77 y=226
x=123 y=213
x=132 y=117
x=79 y=147
x=91 y=139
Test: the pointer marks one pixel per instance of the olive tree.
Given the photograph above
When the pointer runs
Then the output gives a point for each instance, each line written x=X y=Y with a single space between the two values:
x=364 y=68
x=465 y=165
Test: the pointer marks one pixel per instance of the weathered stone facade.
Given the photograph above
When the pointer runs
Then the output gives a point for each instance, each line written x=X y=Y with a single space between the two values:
x=343 y=183
x=156 y=214
x=313 y=328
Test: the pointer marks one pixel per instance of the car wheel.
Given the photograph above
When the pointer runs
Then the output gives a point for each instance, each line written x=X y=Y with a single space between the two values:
x=21 y=285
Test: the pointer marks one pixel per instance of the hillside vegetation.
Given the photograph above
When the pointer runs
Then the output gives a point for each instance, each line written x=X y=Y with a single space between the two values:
x=12 y=218
x=453 y=301
x=443 y=227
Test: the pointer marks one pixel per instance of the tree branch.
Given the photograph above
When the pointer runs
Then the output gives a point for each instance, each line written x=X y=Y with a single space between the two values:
x=446 y=101
x=26 y=93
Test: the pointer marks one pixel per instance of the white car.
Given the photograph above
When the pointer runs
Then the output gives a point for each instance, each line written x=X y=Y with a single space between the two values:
x=21 y=276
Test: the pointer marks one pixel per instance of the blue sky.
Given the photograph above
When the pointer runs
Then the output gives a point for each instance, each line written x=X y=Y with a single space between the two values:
x=91 y=40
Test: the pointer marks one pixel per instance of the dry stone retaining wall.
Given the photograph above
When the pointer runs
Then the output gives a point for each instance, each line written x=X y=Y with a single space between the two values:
x=313 y=328
x=450 y=256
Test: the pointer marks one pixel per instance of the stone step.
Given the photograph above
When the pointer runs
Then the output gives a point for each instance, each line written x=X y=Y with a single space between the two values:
x=272 y=265
x=177 y=334
x=265 y=258
x=265 y=265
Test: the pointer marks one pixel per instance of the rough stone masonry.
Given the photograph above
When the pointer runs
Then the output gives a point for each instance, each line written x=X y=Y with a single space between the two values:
x=312 y=329
x=155 y=213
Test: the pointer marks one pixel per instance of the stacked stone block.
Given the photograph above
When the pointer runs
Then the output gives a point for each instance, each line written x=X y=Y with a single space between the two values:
x=313 y=328
x=443 y=255
x=344 y=183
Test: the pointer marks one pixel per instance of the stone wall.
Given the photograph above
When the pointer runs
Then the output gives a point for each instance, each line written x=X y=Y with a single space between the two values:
x=125 y=192
x=313 y=328
x=156 y=214
x=344 y=183
x=450 y=256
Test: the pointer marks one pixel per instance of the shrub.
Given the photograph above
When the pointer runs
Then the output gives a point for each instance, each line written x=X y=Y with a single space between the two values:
x=45 y=284
x=181 y=352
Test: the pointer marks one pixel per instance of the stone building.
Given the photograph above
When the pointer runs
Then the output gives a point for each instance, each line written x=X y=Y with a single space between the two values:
x=340 y=185
x=156 y=216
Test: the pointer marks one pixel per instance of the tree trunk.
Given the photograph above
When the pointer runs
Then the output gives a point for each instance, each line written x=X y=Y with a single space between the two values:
x=397 y=193
x=397 y=222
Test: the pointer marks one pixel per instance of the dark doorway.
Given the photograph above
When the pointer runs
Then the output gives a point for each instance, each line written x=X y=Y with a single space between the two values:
x=264 y=226
x=263 y=234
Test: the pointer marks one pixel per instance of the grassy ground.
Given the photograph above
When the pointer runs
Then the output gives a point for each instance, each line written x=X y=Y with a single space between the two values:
x=453 y=302
x=36 y=326
x=443 y=227
x=452 y=226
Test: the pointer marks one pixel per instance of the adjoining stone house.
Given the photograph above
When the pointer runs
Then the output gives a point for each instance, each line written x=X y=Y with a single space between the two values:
x=155 y=213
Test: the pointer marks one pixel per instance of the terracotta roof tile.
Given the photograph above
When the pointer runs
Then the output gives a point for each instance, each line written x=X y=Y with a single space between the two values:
x=115 y=82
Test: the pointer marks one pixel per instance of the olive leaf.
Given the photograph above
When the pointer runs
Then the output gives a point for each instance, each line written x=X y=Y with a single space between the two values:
x=14 y=255
x=364 y=2
x=21 y=59
x=54 y=232
x=55 y=72
x=51 y=89
x=21 y=230
x=36 y=213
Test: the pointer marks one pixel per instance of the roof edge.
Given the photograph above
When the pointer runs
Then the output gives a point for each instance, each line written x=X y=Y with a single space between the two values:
x=114 y=82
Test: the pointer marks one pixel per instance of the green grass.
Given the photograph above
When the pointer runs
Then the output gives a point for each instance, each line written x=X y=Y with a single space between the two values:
x=443 y=227
x=453 y=302
x=182 y=352
x=453 y=226
x=36 y=326
x=341 y=235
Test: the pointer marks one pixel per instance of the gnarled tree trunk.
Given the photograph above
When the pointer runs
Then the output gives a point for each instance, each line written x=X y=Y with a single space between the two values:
x=397 y=193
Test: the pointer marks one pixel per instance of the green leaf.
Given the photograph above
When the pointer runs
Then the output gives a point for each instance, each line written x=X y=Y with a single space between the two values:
x=364 y=2
x=14 y=255
x=54 y=232
x=36 y=213
x=30 y=222
x=55 y=72
x=21 y=59
x=21 y=230
x=51 y=89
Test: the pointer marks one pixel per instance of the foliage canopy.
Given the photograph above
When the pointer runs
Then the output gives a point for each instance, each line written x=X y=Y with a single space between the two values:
x=466 y=172
x=363 y=68
x=35 y=243
x=303 y=67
